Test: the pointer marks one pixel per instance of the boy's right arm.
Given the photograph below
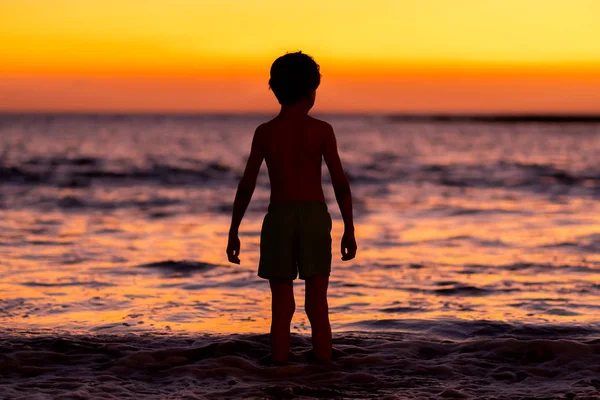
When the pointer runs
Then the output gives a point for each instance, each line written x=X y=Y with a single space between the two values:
x=343 y=195
x=244 y=194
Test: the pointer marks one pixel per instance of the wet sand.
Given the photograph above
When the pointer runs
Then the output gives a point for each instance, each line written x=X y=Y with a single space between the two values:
x=497 y=361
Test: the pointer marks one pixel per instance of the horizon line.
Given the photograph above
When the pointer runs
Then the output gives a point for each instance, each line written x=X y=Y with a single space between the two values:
x=399 y=116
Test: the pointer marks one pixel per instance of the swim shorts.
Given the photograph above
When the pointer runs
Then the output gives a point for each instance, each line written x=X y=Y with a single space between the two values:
x=295 y=240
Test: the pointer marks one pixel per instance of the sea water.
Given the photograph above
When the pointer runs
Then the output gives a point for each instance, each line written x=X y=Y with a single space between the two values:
x=477 y=274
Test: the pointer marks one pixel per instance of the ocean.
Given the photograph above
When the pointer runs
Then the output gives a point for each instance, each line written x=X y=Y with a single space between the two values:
x=477 y=274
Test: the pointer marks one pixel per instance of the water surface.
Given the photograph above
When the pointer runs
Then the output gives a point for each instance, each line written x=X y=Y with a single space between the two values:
x=117 y=225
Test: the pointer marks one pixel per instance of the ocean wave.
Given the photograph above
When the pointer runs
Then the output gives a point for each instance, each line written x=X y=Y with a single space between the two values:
x=177 y=269
x=83 y=172
x=533 y=268
x=500 y=174
x=91 y=284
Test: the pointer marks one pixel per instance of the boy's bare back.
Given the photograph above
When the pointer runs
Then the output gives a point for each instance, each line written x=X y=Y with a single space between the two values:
x=293 y=147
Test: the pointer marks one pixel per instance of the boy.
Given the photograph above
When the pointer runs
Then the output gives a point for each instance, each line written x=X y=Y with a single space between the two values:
x=296 y=232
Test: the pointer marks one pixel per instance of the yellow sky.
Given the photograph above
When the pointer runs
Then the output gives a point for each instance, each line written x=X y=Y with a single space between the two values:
x=386 y=55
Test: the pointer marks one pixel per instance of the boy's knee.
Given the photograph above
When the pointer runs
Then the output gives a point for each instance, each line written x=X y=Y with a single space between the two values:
x=285 y=310
x=291 y=310
x=315 y=308
x=310 y=310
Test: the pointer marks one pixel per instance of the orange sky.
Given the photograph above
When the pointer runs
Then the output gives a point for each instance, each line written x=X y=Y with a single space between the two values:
x=214 y=55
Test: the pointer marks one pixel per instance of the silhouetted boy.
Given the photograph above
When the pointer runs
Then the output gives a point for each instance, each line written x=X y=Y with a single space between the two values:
x=296 y=232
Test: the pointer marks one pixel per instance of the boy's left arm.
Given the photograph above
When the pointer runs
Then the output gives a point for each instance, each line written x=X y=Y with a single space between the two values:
x=244 y=195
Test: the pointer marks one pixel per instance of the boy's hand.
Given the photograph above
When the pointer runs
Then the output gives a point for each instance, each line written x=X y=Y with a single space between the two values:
x=233 y=248
x=348 y=246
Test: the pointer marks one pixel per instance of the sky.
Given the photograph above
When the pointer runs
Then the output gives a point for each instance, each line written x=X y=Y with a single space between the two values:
x=405 y=56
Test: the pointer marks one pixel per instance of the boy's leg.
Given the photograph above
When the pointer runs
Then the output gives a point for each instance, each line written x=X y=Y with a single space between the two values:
x=282 y=308
x=317 y=310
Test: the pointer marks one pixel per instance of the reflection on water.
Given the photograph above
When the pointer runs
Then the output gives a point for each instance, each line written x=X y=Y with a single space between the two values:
x=118 y=224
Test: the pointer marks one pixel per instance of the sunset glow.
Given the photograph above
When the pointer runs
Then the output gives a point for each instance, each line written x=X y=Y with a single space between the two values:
x=406 y=56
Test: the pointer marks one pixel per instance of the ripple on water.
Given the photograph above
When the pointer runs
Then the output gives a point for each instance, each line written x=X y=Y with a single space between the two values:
x=91 y=284
x=171 y=268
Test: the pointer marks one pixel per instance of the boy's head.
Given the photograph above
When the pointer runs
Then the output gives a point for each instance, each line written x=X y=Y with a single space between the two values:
x=294 y=77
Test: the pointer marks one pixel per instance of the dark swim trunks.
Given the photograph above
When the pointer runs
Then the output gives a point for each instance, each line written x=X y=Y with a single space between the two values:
x=295 y=240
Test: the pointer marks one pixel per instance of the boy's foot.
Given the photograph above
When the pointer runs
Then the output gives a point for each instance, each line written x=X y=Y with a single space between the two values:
x=310 y=357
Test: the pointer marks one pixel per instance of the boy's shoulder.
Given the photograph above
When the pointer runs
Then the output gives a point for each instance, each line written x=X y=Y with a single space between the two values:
x=322 y=129
x=315 y=123
x=319 y=123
